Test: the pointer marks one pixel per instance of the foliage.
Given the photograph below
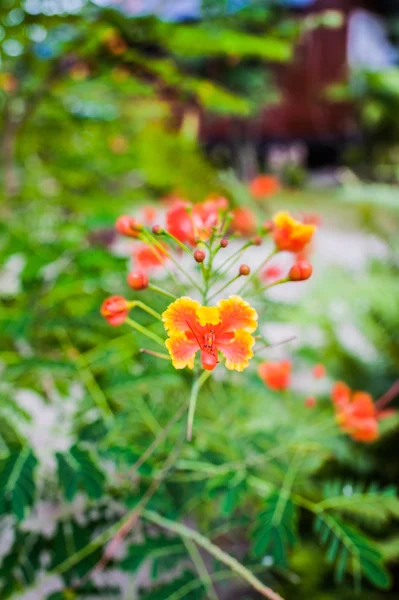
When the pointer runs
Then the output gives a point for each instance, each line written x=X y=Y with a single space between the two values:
x=88 y=131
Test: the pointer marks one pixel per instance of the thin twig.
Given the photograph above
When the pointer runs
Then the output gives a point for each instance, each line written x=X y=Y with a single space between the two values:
x=218 y=553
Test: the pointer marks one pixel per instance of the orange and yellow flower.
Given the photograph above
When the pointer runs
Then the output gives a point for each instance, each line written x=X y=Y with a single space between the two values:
x=224 y=328
x=289 y=234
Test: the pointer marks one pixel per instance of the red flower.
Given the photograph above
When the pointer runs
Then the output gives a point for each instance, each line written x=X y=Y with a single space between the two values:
x=271 y=274
x=340 y=394
x=264 y=185
x=358 y=418
x=188 y=222
x=276 y=375
x=115 y=309
x=147 y=257
x=244 y=221
x=356 y=413
x=319 y=371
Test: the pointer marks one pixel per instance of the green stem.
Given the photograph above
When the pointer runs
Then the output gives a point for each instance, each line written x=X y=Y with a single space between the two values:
x=146 y=308
x=178 y=242
x=146 y=332
x=203 y=542
x=159 y=290
x=156 y=354
x=257 y=271
x=201 y=568
x=198 y=383
x=222 y=270
x=267 y=287
x=225 y=286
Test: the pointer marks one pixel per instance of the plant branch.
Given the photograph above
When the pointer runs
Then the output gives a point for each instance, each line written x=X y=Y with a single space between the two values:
x=203 y=542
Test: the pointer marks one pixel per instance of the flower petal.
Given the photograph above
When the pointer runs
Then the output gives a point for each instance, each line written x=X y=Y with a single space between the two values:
x=235 y=313
x=208 y=315
x=289 y=234
x=181 y=350
x=238 y=351
x=181 y=315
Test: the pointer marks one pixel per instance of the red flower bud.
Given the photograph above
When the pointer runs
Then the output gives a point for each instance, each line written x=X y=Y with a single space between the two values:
x=310 y=402
x=267 y=226
x=257 y=240
x=300 y=271
x=115 y=309
x=157 y=230
x=128 y=226
x=224 y=242
x=199 y=255
x=137 y=281
x=244 y=270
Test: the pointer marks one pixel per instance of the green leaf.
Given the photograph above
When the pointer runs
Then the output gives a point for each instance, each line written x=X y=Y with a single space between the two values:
x=17 y=484
x=77 y=469
x=274 y=531
x=186 y=581
x=370 y=505
x=351 y=551
x=165 y=553
x=20 y=565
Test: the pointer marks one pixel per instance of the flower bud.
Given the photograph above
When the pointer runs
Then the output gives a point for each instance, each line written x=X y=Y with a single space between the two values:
x=224 y=242
x=157 y=230
x=128 y=226
x=310 y=402
x=257 y=240
x=301 y=271
x=244 y=270
x=137 y=281
x=267 y=226
x=115 y=309
x=199 y=255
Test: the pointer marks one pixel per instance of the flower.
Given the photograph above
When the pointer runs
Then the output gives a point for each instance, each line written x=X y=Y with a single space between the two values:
x=264 y=185
x=289 y=234
x=358 y=417
x=271 y=274
x=147 y=257
x=244 y=221
x=319 y=371
x=115 y=310
x=276 y=375
x=188 y=222
x=340 y=394
x=226 y=327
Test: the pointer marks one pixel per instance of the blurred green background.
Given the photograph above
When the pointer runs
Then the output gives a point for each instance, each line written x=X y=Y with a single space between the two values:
x=109 y=107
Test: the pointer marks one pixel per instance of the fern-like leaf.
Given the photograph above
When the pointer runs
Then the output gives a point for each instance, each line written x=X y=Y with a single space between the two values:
x=17 y=483
x=164 y=552
x=77 y=469
x=350 y=550
x=275 y=528
x=370 y=505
